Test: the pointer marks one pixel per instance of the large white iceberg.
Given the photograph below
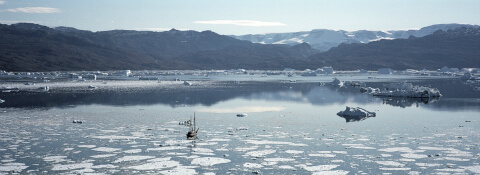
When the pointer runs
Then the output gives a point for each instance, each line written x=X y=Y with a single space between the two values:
x=356 y=112
x=408 y=90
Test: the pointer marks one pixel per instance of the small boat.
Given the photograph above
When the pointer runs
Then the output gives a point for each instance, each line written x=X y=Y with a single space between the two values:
x=192 y=132
x=187 y=83
x=91 y=87
x=242 y=115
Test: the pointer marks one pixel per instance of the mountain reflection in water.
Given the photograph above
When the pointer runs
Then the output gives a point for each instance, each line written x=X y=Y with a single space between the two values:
x=309 y=93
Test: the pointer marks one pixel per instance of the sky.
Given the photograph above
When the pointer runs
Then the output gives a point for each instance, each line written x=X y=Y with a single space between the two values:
x=238 y=17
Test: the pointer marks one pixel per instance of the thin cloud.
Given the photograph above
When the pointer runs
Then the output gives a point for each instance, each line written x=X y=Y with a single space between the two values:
x=35 y=10
x=2 y=2
x=14 y=22
x=242 y=23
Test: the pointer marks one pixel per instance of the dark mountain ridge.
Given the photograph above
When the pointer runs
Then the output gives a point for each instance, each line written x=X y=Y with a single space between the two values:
x=32 y=47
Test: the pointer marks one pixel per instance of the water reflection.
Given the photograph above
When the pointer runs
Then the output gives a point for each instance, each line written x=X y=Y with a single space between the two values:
x=407 y=102
x=308 y=93
x=317 y=95
x=354 y=118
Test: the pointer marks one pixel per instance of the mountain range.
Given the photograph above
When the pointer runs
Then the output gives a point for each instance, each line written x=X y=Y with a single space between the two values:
x=324 y=39
x=33 y=47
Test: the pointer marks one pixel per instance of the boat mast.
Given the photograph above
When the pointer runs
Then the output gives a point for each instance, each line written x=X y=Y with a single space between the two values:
x=194 y=127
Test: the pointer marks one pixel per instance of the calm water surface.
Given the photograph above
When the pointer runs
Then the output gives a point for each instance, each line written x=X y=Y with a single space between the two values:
x=291 y=128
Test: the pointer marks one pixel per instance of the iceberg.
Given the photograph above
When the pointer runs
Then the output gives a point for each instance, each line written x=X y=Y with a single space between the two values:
x=408 y=90
x=356 y=112
x=337 y=82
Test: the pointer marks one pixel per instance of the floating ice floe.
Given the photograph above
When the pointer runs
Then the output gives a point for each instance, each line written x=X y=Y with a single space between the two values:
x=106 y=149
x=414 y=156
x=133 y=158
x=179 y=170
x=294 y=151
x=397 y=149
x=167 y=148
x=358 y=146
x=360 y=112
x=408 y=90
x=203 y=151
x=55 y=159
x=268 y=142
x=318 y=167
x=279 y=159
x=86 y=146
x=156 y=165
x=391 y=163
x=102 y=156
x=209 y=161
x=321 y=155
x=12 y=167
x=60 y=167
x=132 y=151
x=261 y=153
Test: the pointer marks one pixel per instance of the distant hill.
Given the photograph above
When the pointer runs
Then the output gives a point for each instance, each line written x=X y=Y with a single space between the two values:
x=32 y=47
x=455 y=48
x=324 y=39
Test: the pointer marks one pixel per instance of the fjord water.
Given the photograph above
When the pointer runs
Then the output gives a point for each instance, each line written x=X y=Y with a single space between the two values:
x=291 y=128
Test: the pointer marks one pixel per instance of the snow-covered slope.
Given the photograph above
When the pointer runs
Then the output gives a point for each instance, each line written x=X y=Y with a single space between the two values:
x=323 y=39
